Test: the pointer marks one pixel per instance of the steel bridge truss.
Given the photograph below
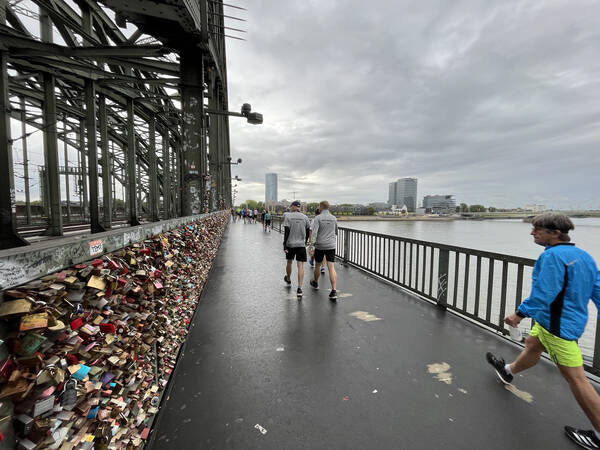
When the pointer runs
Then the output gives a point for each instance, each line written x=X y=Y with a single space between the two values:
x=121 y=91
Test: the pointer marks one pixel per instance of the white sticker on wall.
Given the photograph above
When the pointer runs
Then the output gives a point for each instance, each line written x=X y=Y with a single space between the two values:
x=96 y=247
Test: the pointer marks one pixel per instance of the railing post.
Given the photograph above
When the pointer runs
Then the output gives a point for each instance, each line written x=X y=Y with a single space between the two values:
x=346 y=245
x=442 y=294
x=596 y=360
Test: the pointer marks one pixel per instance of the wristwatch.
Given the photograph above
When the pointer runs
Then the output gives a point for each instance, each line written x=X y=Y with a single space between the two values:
x=520 y=314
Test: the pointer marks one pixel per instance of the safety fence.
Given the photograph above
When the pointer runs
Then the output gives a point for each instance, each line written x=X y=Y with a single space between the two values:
x=481 y=286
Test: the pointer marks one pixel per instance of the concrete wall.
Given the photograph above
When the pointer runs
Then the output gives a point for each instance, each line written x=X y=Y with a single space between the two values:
x=22 y=264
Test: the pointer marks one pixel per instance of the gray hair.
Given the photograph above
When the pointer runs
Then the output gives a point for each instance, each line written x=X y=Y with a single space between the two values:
x=554 y=222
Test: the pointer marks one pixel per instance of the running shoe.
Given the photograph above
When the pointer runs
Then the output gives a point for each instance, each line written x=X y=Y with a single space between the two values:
x=287 y=279
x=322 y=269
x=314 y=284
x=583 y=438
x=299 y=292
x=498 y=365
x=311 y=262
x=333 y=295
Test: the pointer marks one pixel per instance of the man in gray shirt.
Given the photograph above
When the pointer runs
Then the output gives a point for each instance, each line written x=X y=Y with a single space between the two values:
x=324 y=231
x=296 y=228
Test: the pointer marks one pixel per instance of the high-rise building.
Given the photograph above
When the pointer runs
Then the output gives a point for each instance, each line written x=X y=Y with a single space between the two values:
x=270 y=190
x=392 y=193
x=403 y=192
x=439 y=203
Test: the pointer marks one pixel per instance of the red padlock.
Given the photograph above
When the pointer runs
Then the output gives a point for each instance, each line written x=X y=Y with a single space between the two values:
x=77 y=323
x=107 y=328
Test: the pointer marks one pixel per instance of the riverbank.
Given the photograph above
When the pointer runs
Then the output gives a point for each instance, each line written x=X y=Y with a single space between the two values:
x=394 y=218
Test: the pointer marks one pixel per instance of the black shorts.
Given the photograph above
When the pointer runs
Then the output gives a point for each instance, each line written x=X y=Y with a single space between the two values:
x=298 y=252
x=268 y=222
x=328 y=254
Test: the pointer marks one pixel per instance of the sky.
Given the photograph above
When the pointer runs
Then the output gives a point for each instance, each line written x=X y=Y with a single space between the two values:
x=497 y=103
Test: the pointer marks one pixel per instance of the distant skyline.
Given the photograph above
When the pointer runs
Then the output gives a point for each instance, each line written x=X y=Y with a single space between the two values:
x=495 y=103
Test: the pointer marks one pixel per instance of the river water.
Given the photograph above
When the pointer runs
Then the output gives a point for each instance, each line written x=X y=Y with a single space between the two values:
x=510 y=237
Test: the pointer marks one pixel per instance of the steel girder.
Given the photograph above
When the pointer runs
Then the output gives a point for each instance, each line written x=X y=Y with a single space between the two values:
x=85 y=62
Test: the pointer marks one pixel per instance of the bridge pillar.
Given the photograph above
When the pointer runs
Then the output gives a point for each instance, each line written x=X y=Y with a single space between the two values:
x=84 y=170
x=152 y=170
x=8 y=209
x=106 y=169
x=193 y=143
x=131 y=172
x=226 y=154
x=52 y=184
x=166 y=174
x=90 y=128
x=215 y=164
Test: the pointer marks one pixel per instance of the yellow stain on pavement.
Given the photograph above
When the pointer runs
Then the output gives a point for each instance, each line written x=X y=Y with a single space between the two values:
x=526 y=396
x=365 y=316
x=441 y=372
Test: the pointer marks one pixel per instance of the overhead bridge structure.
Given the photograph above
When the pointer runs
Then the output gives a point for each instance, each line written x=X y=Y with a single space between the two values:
x=125 y=102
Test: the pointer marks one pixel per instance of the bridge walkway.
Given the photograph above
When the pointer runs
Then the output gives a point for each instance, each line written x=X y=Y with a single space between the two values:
x=313 y=376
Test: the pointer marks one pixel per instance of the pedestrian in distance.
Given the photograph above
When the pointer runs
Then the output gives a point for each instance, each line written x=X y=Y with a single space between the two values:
x=564 y=280
x=255 y=215
x=324 y=231
x=267 y=218
x=295 y=238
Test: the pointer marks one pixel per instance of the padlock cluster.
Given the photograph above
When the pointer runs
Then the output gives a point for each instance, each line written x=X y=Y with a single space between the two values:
x=87 y=352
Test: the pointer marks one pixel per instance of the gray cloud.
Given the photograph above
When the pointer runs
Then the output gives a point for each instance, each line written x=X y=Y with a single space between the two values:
x=496 y=104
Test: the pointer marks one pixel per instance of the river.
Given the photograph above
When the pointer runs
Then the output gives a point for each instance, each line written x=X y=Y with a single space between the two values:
x=509 y=237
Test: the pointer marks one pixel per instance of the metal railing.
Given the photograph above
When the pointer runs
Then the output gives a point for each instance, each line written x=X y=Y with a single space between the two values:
x=482 y=286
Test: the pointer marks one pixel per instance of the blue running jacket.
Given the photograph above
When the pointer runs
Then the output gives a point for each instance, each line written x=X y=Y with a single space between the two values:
x=564 y=279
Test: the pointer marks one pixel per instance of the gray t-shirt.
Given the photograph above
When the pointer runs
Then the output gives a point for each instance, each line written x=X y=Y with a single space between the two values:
x=324 y=230
x=298 y=224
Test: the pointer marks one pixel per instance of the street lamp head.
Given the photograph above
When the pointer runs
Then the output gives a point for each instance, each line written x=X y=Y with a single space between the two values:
x=255 y=118
x=239 y=161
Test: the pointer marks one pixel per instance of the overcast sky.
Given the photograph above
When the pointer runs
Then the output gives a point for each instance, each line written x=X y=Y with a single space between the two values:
x=495 y=102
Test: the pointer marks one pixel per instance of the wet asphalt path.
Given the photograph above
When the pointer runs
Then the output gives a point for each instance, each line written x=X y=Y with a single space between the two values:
x=313 y=376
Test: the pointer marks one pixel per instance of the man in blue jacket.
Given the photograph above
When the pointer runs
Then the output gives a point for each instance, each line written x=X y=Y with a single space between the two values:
x=564 y=279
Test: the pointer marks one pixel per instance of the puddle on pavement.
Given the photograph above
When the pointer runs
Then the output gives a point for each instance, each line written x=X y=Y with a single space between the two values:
x=441 y=372
x=365 y=316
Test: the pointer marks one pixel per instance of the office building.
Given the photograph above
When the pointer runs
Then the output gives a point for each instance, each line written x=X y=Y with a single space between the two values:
x=270 y=190
x=403 y=192
x=439 y=203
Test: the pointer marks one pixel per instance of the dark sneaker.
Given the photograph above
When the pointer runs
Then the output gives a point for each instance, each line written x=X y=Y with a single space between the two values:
x=299 y=292
x=322 y=269
x=287 y=279
x=333 y=295
x=498 y=365
x=314 y=284
x=583 y=438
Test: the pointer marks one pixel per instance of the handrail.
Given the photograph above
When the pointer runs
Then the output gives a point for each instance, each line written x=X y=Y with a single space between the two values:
x=479 y=285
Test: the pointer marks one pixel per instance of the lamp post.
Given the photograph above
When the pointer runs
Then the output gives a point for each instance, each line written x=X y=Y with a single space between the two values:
x=252 y=118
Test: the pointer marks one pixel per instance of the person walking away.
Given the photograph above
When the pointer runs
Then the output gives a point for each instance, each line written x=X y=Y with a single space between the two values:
x=268 y=221
x=312 y=247
x=296 y=227
x=564 y=279
x=255 y=214
x=324 y=231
